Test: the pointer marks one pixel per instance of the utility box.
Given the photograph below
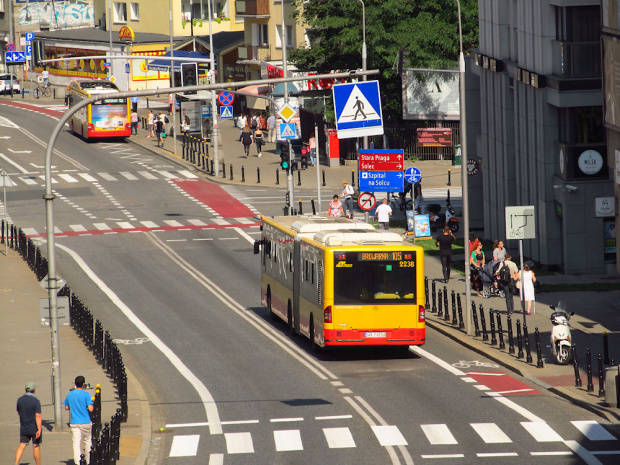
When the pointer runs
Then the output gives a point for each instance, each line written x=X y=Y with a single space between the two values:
x=334 y=147
x=612 y=378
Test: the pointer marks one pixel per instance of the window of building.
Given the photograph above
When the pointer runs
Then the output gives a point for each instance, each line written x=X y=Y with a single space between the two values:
x=578 y=24
x=260 y=34
x=289 y=36
x=120 y=12
x=1 y=6
x=581 y=125
x=135 y=11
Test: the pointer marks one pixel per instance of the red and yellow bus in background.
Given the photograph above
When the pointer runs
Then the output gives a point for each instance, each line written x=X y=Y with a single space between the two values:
x=342 y=283
x=105 y=118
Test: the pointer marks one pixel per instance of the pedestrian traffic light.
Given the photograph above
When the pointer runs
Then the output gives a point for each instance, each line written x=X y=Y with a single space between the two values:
x=285 y=156
x=189 y=75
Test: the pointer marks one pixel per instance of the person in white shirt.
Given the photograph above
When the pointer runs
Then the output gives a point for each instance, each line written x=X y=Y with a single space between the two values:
x=383 y=213
x=347 y=195
x=271 y=126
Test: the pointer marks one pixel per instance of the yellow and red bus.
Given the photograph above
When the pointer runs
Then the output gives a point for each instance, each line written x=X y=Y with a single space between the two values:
x=342 y=283
x=105 y=118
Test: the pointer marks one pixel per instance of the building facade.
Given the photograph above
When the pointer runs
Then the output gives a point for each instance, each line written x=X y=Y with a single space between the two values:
x=542 y=140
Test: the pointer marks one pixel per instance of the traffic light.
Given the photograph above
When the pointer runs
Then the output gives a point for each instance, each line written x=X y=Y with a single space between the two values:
x=189 y=75
x=285 y=156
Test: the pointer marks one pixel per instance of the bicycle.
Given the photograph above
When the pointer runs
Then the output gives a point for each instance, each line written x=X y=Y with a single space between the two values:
x=402 y=204
x=42 y=90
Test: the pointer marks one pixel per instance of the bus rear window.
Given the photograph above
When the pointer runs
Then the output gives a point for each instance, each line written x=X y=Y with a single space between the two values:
x=374 y=277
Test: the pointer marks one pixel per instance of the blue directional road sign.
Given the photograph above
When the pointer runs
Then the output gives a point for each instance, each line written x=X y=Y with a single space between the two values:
x=358 y=109
x=15 y=57
x=413 y=175
x=381 y=181
x=226 y=112
x=287 y=131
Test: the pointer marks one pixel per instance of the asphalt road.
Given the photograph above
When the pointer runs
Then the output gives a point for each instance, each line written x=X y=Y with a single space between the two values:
x=165 y=260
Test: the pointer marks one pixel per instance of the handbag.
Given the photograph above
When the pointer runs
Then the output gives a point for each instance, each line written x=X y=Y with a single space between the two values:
x=163 y=134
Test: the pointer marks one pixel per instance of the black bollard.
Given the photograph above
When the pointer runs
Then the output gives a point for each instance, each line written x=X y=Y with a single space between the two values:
x=475 y=317
x=590 y=386
x=258 y=175
x=231 y=172
x=445 y=304
x=453 y=299
x=526 y=338
x=242 y=174
x=605 y=348
x=298 y=177
x=460 y=310
x=449 y=182
x=426 y=294
x=573 y=350
x=519 y=340
x=492 y=324
x=483 y=323
x=224 y=170
x=353 y=178
x=313 y=208
x=301 y=212
x=434 y=308
x=440 y=304
x=324 y=178
x=212 y=167
x=539 y=359
x=601 y=377
x=511 y=346
x=277 y=177
x=500 y=331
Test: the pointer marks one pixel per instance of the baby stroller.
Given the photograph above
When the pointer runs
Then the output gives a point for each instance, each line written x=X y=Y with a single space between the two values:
x=489 y=277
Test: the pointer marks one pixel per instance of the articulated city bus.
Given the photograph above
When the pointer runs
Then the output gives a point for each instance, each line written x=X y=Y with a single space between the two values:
x=340 y=282
x=105 y=118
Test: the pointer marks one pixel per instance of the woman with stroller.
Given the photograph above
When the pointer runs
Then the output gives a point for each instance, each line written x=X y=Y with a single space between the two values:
x=476 y=262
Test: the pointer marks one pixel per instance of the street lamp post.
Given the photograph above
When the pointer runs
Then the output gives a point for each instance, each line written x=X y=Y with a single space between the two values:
x=364 y=57
x=464 y=186
x=216 y=151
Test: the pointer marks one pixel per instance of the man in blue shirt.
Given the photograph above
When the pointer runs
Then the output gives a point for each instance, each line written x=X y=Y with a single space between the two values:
x=80 y=404
x=29 y=411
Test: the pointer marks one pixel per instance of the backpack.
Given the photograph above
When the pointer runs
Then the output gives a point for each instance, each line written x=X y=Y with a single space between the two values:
x=504 y=275
x=254 y=123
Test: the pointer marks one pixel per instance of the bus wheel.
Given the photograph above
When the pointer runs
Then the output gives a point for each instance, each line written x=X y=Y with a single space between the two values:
x=271 y=314
x=291 y=323
x=313 y=345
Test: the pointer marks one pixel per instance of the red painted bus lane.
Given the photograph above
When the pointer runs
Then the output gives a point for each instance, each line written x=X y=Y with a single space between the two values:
x=503 y=384
x=214 y=197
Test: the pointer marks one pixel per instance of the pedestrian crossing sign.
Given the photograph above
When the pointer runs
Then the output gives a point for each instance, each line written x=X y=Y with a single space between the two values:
x=358 y=109
x=226 y=112
x=287 y=131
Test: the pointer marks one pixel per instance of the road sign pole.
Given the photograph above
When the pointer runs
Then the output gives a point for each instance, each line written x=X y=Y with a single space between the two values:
x=521 y=290
x=316 y=159
x=289 y=175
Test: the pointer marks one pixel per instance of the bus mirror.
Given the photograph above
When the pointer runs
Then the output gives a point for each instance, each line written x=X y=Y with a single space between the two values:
x=256 y=247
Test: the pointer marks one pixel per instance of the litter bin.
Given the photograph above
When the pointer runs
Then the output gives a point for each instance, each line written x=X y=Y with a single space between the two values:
x=612 y=378
x=334 y=147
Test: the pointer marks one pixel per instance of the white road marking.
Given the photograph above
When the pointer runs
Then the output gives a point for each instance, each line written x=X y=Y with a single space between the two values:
x=285 y=420
x=490 y=433
x=583 y=453
x=497 y=454
x=240 y=422
x=220 y=221
x=167 y=175
x=102 y=226
x=239 y=443
x=287 y=440
x=541 y=431
x=339 y=438
x=593 y=431
x=30 y=180
x=184 y=446
x=15 y=164
x=245 y=220
x=188 y=174
x=77 y=227
x=197 y=222
x=129 y=176
x=68 y=178
x=125 y=225
x=147 y=175
x=107 y=177
x=87 y=177
x=149 y=224
x=389 y=435
x=443 y=456
x=335 y=417
x=173 y=223
x=552 y=453
x=30 y=231
x=438 y=434
x=186 y=425
x=42 y=177
x=216 y=459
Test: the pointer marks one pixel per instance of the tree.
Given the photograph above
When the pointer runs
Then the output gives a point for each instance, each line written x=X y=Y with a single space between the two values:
x=425 y=32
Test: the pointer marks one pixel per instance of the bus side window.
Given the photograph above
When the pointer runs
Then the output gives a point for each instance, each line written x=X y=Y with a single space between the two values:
x=275 y=252
x=306 y=270
x=312 y=274
x=268 y=248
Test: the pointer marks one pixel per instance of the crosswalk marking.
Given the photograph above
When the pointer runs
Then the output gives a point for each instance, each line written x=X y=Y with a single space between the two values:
x=216 y=459
x=490 y=433
x=167 y=175
x=147 y=175
x=149 y=224
x=125 y=225
x=30 y=180
x=220 y=221
x=77 y=227
x=68 y=178
x=174 y=223
x=239 y=443
x=87 y=177
x=42 y=178
x=101 y=226
x=107 y=177
x=187 y=174
x=30 y=231
x=129 y=176
x=593 y=431
x=197 y=222
x=438 y=434
x=287 y=440
x=245 y=220
x=185 y=445
x=339 y=438
x=541 y=431
x=389 y=435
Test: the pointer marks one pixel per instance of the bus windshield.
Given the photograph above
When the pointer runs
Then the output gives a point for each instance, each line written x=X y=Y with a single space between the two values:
x=374 y=277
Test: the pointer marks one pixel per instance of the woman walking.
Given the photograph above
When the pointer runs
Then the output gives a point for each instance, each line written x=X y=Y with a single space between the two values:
x=259 y=140
x=476 y=262
x=527 y=287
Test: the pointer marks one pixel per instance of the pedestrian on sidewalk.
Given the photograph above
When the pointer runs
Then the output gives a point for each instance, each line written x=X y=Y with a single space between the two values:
x=383 y=213
x=150 y=124
x=527 y=287
x=444 y=242
x=507 y=280
x=271 y=126
x=246 y=140
x=499 y=252
x=347 y=195
x=335 y=207
x=259 y=140
x=160 y=130
x=80 y=404
x=312 y=148
x=134 y=122
x=29 y=411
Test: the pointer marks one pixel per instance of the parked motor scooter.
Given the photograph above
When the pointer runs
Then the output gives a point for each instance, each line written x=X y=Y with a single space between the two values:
x=560 y=334
x=438 y=218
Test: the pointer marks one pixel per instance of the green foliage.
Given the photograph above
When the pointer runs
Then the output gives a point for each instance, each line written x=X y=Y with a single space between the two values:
x=426 y=31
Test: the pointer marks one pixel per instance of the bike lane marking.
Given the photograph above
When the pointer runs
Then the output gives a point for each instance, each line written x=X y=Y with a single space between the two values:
x=214 y=197
x=502 y=383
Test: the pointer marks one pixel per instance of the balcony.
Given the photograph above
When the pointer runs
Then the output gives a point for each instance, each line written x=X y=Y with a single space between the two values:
x=255 y=53
x=252 y=8
x=576 y=59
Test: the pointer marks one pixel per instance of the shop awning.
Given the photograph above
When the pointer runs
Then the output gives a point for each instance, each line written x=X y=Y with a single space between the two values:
x=260 y=89
x=164 y=65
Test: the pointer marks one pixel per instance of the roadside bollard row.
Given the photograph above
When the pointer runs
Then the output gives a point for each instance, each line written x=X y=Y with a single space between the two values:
x=106 y=442
x=196 y=151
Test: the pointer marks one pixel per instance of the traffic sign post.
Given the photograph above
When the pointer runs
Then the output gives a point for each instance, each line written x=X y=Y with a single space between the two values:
x=381 y=181
x=381 y=170
x=287 y=131
x=226 y=98
x=413 y=175
x=367 y=201
x=358 y=109
x=15 y=58
x=226 y=112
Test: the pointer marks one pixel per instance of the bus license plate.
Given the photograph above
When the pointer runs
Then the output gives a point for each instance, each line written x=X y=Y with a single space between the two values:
x=375 y=334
